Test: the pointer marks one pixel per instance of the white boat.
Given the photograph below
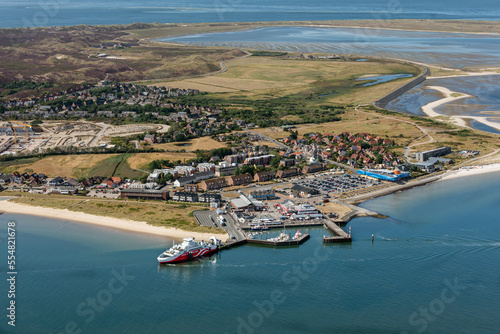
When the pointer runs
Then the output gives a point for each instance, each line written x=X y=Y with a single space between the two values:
x=259 y=228
x=281 y=237
x=297 y=235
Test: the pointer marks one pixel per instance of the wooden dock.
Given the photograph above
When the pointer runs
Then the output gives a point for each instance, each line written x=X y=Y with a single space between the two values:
x=341 y=235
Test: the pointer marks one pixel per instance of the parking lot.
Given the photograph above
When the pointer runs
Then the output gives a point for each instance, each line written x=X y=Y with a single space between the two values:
x=338 y=184
x=209 y=218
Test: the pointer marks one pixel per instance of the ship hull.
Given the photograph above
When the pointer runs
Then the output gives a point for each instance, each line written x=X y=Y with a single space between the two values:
x=189 y=256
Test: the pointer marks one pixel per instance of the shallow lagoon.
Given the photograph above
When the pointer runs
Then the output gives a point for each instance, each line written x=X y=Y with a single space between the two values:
x=444 y=49
x=485 y=91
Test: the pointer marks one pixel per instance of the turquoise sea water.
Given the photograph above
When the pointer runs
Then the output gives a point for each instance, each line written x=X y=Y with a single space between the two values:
x=441 y=235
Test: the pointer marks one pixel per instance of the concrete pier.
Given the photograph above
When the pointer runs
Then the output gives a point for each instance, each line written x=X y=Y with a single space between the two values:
x=341 y=235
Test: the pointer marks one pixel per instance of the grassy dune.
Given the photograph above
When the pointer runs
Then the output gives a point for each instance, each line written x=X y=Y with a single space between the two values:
x=263 y=77
x=177 y=215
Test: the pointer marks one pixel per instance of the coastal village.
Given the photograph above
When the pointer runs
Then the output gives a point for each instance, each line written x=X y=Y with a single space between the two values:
x=252 y=187
x=282 y=168
x=257 y=188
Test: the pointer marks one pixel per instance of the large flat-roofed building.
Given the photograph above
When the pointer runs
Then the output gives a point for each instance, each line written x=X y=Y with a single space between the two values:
x=243 y=203
x=423 y=156
x=302 y=191
x=383 y=174
x=144 y=194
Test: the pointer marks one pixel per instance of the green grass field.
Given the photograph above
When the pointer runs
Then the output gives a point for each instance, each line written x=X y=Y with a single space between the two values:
x=272 y=91
x=75 y=166
x=115 y=166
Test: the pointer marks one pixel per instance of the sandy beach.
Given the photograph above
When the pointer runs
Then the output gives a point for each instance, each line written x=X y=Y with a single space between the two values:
x=472 y=170
x=122 y=224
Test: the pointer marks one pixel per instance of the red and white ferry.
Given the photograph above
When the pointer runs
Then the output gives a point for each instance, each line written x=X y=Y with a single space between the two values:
x=188 y=250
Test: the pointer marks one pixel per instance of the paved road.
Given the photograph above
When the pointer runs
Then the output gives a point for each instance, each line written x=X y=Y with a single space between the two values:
x=95 y=141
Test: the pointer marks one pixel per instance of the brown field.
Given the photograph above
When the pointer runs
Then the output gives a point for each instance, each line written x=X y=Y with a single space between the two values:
x=332 y=207
x=140 y=160
x=62 y=165
x=352 y=122
x=193 y=84
x=269 y=77
x=265 y=143
x=369 y=94
x=202 y=143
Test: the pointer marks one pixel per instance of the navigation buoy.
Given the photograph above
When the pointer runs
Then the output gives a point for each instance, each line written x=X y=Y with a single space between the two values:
x=372 y=237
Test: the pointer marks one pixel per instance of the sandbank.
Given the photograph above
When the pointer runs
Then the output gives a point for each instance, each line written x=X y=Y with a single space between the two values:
x=122 y=224
x=485 y=120
x=469 y=74
x=428 y=109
